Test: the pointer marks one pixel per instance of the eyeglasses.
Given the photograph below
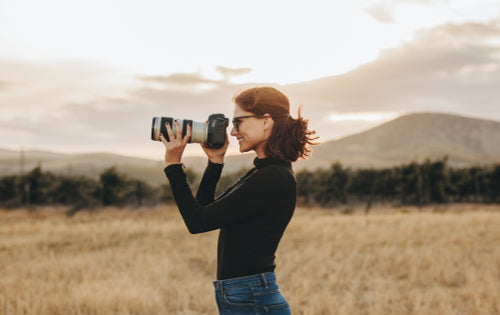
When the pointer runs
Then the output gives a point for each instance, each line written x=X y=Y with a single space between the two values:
x=237 y=121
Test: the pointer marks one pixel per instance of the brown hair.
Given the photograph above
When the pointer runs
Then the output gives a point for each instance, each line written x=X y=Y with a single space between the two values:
x=290 y=139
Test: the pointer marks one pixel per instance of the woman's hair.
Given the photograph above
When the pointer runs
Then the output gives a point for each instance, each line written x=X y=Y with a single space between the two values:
x=290 y=139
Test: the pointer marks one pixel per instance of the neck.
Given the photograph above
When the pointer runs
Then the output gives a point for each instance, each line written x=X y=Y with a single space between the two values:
x=260 y=151
x=260 y=155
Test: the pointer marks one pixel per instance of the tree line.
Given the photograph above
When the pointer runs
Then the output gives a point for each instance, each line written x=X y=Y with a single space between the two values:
x=414 y=183
x=408 y=184
x=111 y=188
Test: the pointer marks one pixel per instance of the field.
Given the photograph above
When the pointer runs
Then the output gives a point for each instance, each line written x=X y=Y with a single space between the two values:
x=393 y=261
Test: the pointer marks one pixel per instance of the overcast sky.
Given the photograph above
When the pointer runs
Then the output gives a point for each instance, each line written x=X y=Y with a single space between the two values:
x=79 y=76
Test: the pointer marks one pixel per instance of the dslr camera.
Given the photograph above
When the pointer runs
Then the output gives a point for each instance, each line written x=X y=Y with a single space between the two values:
x=212 y=133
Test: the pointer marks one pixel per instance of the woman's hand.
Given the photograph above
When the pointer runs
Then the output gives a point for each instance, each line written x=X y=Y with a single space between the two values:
x=216 y=155
x=175 y=147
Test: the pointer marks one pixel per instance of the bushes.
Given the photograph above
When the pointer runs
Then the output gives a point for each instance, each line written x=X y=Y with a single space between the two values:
x=409 y=184
x=45 y=188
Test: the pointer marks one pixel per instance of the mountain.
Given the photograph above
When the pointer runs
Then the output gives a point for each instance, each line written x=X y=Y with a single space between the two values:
x=91 y=164
x=467 y=142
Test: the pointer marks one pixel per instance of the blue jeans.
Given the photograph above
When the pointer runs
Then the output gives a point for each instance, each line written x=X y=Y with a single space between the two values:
x=257 y=294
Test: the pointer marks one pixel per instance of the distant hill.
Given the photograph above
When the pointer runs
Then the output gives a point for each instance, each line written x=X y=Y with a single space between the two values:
x=91 y=164
x=467 y=141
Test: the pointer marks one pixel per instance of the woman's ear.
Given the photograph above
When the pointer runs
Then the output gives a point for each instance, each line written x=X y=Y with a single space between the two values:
x=268 y=121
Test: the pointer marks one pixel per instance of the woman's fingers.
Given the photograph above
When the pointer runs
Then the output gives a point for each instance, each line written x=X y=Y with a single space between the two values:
x=176 y=144
x=170 y=132
x=162 y=139
x=176 y=141
x=175 y=136
x=178 y=130
x=188 y=134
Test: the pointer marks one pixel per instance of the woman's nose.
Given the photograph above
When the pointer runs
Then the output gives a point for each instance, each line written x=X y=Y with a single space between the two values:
x=233 y=132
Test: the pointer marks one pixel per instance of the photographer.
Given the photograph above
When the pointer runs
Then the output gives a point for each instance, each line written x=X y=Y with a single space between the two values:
x=253 y=214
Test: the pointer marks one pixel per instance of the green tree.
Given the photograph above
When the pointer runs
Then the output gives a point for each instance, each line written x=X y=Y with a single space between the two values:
x=142 y=193
x=438 y=181
x=333 y=184
x=112 y=187
x=387 y=183
x=410 y=183
x=494 y=184
x=165 y=191
x=479 y=183
x=166 y=194
x=10 y=193
x=363 y=183
x=305 y=186
x=37 y=187
x=75 y=190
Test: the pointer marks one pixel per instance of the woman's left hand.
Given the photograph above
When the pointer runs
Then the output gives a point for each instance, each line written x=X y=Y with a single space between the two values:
x=216 y=155
x=175 y=147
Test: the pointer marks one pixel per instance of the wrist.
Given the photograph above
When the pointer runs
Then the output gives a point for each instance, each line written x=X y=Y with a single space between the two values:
x=216 y=160
x=168 y=163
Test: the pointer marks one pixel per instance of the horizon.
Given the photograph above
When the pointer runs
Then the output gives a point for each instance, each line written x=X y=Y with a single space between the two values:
x=67 y=85
x=193 y=146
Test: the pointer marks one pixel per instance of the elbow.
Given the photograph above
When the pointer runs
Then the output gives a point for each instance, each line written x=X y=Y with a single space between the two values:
x=196 y=223
x=194 y=231
x=195 y=228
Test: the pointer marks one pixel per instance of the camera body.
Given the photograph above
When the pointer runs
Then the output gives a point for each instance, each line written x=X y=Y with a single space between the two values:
x=212 y=133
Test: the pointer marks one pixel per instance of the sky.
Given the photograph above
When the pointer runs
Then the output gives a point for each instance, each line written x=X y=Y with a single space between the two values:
x=88 y=76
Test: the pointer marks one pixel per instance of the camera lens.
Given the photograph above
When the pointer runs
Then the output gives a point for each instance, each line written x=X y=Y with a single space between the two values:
x=199 y=130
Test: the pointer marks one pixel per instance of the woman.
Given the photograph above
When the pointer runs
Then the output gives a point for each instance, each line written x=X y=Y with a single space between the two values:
x=252 y=214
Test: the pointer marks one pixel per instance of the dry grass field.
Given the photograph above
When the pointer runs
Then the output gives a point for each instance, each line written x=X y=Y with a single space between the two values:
x=393 y=261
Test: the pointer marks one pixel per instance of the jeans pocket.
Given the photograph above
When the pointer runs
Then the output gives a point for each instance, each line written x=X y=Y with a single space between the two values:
x=278 y=309
x=242 y=296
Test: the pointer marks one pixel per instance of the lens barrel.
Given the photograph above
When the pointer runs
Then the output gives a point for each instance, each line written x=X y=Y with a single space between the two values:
x=199 y=130
x=213 y=133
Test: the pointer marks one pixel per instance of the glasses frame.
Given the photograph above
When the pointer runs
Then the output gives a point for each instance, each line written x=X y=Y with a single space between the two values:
x=237 y=121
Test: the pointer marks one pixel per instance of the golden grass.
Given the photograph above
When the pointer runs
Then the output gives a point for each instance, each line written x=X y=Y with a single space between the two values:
x=145 y=262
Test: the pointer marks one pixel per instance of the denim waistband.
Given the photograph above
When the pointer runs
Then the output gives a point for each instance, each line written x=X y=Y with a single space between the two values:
x=258 y=279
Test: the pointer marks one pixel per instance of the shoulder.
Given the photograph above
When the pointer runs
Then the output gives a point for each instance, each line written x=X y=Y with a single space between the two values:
x=276 y=173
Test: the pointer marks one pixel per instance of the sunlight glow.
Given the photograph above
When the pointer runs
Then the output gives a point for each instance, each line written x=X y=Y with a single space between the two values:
x=367 y=117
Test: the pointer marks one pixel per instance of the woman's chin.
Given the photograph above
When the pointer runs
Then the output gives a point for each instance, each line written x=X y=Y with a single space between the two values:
x=244 y=149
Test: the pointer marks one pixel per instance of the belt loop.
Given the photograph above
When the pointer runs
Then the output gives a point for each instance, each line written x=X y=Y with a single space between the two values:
x=264 y=280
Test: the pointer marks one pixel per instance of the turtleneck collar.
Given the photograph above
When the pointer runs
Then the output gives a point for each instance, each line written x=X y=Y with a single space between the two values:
x=261 y=163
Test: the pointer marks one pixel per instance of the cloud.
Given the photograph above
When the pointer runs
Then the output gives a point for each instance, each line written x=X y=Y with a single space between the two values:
x=380 y=12
x=183 y=79
x=231 y=72
x=40 y=87
x=454 y=63
x=384 y=11
x=451 y=68
x=193 y=82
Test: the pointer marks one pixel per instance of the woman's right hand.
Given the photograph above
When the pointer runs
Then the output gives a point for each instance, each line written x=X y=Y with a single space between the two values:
x=175 y=147
x=216 y=155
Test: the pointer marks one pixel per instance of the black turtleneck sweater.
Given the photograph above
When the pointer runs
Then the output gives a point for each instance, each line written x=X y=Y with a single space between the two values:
x=251 y=215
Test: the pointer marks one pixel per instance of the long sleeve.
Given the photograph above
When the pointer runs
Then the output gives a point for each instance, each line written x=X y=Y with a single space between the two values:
x=259 y=191
x=206 y=190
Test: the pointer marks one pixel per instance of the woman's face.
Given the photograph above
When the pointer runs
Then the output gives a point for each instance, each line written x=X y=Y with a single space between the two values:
x=253 y=132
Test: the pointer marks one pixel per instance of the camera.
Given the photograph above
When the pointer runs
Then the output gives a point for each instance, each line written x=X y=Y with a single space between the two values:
x=212 y=133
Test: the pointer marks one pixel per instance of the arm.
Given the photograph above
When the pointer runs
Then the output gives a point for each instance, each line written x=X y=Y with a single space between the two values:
x=206 y=191
x=255 y=194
